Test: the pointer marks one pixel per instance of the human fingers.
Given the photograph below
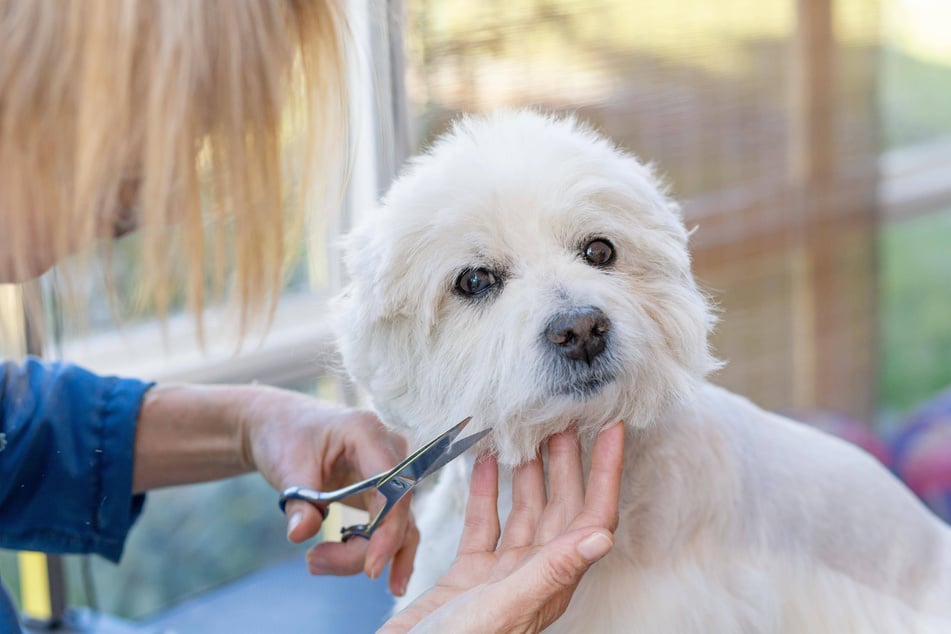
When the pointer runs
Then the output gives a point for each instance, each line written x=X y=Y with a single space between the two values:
x=566 y=486
x=303 y=520
x=396 y=531
x=337 y=558
x=402 y=568
x=481 y=530
x=374 y=450
x=604 y=480
x=365 y=445
x=357 y=554
x=534 y=595
x=528 y=502
x=565 y=474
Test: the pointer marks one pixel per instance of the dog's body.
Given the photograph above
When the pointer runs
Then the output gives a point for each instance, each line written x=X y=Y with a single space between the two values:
x=528 y=273
x=735 y=520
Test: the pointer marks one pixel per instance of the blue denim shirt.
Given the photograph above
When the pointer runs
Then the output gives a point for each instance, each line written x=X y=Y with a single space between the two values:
x=66 y=448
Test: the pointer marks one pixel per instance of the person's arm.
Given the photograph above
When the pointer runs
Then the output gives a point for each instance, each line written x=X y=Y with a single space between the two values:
x=191 y=433
x=188 y=434
x=66 y=458
x=78 y=445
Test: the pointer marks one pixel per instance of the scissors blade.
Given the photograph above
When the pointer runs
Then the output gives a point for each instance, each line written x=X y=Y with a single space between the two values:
x=401 y=479
x=458 y=448
x=416 y=462
x=437 y=453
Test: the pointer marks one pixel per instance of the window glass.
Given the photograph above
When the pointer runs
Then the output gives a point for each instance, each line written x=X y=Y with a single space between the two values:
x=915 y=258
x=915 y=84
x=916 y=310
x=762 y=116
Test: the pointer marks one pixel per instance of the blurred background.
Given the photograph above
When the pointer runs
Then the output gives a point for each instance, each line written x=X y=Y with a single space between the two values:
x=810 y=144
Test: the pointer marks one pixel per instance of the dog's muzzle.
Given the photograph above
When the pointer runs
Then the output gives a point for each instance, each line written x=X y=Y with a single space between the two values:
x=578 y=345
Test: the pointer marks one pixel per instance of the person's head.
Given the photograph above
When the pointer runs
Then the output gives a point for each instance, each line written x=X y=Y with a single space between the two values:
x=202 y=114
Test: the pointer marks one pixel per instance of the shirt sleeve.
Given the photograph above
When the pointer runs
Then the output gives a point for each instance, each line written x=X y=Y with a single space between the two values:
x=66 y=451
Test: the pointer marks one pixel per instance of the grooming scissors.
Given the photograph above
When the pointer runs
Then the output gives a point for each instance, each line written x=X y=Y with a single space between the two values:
x=394 y=483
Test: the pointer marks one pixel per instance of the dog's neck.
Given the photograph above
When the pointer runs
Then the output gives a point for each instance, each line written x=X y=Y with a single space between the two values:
x=671 y=459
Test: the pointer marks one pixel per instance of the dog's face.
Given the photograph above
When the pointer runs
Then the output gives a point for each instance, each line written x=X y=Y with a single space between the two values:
x=529 y=274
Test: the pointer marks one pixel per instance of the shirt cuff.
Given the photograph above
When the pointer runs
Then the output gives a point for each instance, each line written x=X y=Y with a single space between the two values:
x=117 y=510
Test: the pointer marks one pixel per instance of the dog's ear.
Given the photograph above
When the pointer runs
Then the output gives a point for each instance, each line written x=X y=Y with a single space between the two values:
x=387 y=276
x=372 y=281
x=374 y=315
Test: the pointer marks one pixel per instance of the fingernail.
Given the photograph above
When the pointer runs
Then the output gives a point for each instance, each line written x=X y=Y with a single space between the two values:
x=610 y=426
x=401 y=590
x=293 y=522
x=595 y=546
x=317 y=567
x=374 y=569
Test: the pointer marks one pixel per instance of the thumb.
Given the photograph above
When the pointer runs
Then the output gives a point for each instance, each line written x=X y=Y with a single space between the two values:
x=557 y=568
x=303 y=520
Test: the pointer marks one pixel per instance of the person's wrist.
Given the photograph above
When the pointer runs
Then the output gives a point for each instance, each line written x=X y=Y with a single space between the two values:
x=231 y=408
x=244 y=407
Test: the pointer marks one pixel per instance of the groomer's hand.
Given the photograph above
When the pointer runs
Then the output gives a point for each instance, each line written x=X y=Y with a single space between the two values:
x=524 y=582
x=294 y=439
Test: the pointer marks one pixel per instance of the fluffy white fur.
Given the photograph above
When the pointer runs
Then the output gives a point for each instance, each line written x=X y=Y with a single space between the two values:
x=732 y=519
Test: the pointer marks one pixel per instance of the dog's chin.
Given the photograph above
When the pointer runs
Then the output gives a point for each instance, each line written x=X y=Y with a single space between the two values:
x=585 y=387
x=581 y=382
x=584 y=406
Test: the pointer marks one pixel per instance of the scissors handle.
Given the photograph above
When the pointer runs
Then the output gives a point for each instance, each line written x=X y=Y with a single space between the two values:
x=393 y=490
x=394 y=484
x=322 y=499
x=308 y=495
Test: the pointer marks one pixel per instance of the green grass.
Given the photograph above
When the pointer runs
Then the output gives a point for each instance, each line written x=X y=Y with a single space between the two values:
x=915 y=305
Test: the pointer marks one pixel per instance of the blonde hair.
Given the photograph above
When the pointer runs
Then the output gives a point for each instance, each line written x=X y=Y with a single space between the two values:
x=215 y=116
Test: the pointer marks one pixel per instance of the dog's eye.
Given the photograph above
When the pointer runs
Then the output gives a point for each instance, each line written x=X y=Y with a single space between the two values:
x=475 y=281
x=599 y=252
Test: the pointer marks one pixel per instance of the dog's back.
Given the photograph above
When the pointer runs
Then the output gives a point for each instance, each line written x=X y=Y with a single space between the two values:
x=743 y=521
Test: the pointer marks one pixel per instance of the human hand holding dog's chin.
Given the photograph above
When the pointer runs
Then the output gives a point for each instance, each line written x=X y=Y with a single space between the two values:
x=524 y=582
x=292 y=439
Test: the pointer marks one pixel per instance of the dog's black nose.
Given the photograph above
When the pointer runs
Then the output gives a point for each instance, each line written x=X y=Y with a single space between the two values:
x=579 y=334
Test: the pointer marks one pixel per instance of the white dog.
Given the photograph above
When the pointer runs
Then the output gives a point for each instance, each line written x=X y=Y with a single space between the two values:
x=528 y=273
